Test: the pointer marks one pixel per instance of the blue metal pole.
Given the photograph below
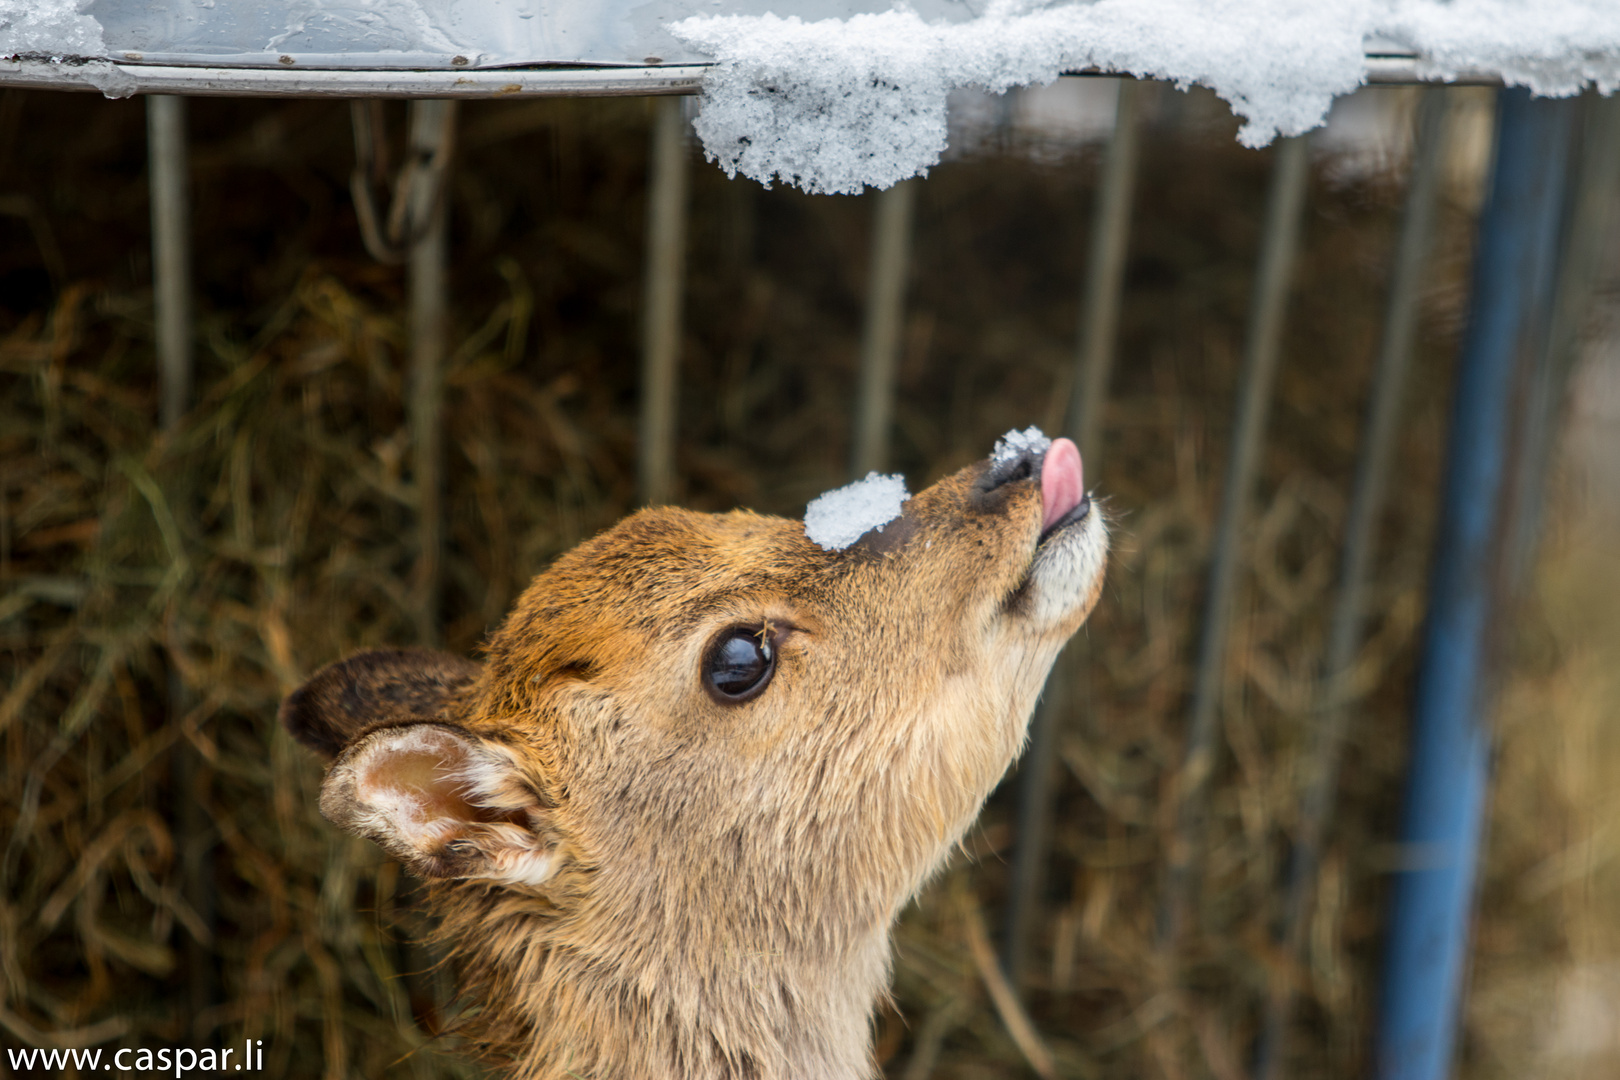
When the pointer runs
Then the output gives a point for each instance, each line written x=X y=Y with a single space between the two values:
x=1515 y=264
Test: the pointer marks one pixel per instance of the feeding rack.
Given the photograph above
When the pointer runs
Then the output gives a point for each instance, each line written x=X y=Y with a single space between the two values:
x=1533 y=268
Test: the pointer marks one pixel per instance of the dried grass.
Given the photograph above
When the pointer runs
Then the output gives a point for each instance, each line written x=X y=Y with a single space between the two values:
x=160 y=592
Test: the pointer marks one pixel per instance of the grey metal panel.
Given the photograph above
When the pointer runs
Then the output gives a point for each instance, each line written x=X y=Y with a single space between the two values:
x=440 y=34
x=122 y=80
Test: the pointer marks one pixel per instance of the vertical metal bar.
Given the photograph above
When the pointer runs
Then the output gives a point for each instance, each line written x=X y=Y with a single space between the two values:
x=171 y=301
x=1094 y=360
x=1348 y=619
x=431 y=139
x=1105 y=277
x=171 y=253
x=1587 y=236
x=1034 y=824
x=885 y=312
x=661 y=328
x=1514 y=271
x=1279 y=245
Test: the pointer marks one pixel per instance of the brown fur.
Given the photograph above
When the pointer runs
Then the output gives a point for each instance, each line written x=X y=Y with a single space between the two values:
x=376 y=687
x=642 y=883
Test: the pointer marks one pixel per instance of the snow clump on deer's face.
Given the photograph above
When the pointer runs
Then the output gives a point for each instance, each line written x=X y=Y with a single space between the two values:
x=704 y=746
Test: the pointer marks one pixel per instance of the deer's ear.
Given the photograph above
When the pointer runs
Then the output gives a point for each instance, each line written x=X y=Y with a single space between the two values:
x=445 y=802
x=382 y=686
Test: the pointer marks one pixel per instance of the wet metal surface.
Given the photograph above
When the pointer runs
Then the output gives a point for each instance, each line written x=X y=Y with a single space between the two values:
x=436 y=33
x=432 y=48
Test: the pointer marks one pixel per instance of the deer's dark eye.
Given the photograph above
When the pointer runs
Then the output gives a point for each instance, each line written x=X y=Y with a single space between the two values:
x=739 y=664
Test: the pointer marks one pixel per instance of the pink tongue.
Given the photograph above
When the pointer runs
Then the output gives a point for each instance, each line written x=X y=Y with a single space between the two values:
x=1062 y=482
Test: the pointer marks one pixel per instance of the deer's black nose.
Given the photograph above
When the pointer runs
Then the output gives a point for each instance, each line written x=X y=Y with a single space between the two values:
x=1024 y=465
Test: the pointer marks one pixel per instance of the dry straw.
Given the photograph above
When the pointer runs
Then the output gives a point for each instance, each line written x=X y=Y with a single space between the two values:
x=159 y=595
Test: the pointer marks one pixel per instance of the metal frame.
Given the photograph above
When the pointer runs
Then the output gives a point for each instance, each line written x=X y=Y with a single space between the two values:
x=127 y=79
x=1421 y=999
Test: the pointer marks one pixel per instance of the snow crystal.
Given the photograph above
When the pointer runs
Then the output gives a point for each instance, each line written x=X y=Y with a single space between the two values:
x=1015 y=443
x=838 y=104
x=49 y=27
x=1555 y=47
x=842 y=516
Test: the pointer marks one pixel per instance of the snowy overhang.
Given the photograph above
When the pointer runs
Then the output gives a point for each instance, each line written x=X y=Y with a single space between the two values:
x=836 y=95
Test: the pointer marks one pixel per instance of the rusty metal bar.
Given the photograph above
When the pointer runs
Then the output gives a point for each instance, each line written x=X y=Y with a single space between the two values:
x=168 y=171
x=1349 y=614
x=171 y=254
x=1588 y=239
x=661 y=306
x=885 y=315
x=1279 y=245
x=431 y=144
x=1105 y=277
x=1094 y=361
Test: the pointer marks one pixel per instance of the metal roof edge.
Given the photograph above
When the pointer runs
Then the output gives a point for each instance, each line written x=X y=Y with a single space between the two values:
x=123 y=80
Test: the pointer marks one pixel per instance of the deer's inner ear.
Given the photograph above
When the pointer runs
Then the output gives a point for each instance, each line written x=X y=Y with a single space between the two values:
x=380 y=686
x=445 y=802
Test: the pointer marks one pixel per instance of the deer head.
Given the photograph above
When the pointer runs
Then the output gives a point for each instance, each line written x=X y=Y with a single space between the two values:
x=672 y=816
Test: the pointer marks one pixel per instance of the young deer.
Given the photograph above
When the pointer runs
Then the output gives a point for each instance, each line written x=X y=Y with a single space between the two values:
x=672 y=817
